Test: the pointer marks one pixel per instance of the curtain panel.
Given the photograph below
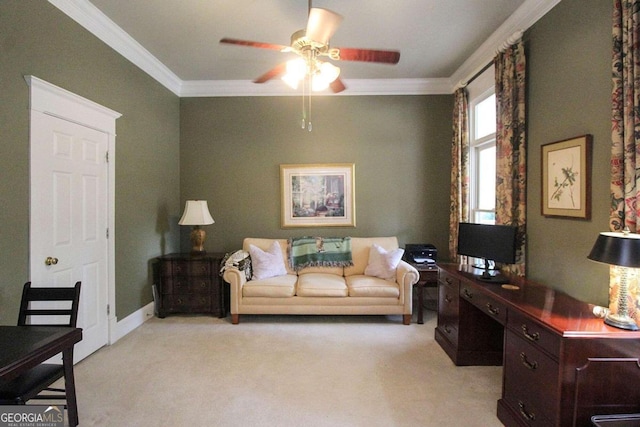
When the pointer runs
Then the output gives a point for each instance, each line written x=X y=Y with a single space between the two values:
x=625 y=139
x=625 y=120
x=459 y=211
x=511 y=167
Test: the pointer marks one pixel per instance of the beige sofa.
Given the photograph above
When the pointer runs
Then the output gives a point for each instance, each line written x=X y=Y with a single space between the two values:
x=324 y=290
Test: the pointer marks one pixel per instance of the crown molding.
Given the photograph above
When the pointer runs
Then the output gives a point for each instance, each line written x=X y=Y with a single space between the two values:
x=276 y=87
x=97 y=23
x=523 y=18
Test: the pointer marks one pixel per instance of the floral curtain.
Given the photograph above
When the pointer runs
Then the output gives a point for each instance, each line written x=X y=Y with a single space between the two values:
x=625 y=126
x=459 y=211
x=511 y=167
x=625 y=136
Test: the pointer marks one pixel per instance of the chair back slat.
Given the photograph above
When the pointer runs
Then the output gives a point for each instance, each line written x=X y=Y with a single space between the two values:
x=31 y=294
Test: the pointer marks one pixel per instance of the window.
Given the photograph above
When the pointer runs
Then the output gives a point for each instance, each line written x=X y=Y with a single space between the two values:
x=482 y=158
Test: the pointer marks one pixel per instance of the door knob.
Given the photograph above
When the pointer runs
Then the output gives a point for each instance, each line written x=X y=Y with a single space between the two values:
x=51 y=261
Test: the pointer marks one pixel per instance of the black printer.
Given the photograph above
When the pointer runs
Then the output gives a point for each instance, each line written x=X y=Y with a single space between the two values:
x=420 y=253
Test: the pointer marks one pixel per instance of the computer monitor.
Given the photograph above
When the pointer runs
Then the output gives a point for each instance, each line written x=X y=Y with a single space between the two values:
x=492 y=243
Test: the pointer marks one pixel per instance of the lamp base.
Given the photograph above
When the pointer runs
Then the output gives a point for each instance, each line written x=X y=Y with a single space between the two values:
x=198 y=236
x=621 y=322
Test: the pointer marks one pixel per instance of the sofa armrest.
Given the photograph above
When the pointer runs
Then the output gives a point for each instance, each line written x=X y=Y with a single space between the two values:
x=406 y=277
x=236 y=279
x=406 y=274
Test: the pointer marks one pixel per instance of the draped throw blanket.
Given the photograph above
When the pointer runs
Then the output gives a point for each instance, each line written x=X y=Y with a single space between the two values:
x=319 y=252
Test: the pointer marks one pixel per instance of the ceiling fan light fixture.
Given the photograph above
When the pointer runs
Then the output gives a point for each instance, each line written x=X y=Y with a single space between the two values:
x=296 y=70
x=325 y=75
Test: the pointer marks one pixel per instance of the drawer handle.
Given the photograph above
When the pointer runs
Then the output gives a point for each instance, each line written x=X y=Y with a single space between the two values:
x=528 y=415
x=493 y=310
x=449 y=281
x=447 y=299
x=447 y=329
x=179 y=301
x=531 y=365
x=467 y=293
x=203 y=284
x=531 y=337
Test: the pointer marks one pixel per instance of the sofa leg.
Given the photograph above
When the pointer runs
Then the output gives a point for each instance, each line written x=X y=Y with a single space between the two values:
x=406 y=319
x=235 y=318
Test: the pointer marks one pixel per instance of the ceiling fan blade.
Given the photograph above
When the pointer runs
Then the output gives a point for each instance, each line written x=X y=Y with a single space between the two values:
x=337 y=86
x=249 y=43
x=277 y=71
x=366 y=55
x=322 y=24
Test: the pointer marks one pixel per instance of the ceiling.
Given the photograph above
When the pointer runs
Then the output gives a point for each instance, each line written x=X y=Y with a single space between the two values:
x=177 y=42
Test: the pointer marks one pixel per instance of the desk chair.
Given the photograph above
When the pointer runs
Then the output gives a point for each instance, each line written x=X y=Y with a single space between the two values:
x=30 y=384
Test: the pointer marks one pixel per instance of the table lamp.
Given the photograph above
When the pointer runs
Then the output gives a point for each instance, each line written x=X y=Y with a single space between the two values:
x=621 y=249
x=196 y=213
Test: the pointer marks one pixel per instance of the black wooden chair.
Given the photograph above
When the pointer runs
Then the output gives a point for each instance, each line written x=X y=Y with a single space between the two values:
x=30 y=384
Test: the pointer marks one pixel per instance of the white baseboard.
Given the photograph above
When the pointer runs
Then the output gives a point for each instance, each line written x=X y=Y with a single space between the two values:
x=131 y=322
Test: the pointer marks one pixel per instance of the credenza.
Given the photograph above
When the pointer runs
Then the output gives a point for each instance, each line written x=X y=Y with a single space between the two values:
x=561 y=364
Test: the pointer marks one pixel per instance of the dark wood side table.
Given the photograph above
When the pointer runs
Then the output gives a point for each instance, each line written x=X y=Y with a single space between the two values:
x=190 y=284
x=25 y=347
x=428 y=278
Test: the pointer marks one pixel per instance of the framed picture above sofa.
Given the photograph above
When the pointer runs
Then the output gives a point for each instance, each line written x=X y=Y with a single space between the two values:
x=318 y=195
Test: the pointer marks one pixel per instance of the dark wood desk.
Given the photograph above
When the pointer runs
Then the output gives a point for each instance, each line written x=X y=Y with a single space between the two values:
x=562 y=365
x=24 y=347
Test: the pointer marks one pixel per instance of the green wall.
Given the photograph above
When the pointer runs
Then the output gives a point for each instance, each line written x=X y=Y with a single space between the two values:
x=228 y=150
x=37 y=39
x=232 y=148
x=569 y=85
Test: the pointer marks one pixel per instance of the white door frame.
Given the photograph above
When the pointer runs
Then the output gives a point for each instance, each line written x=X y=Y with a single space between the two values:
x=57 y=102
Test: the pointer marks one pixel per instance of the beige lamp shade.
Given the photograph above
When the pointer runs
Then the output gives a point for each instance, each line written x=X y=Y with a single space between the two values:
x=196 y=213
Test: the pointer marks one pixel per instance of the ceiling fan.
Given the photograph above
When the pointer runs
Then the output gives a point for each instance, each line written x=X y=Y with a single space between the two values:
x=312 y=43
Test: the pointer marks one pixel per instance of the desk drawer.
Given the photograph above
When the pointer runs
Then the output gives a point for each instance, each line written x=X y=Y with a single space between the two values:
x=530 y=380
x=534 y=333
x=447 y=279
x=485 y=303
x=448 y=307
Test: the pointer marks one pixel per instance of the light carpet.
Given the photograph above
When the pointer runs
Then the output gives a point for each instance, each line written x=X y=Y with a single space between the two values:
x=283 y=371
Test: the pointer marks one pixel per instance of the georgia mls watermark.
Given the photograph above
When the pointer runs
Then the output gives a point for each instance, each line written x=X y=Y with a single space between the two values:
x=31 y=416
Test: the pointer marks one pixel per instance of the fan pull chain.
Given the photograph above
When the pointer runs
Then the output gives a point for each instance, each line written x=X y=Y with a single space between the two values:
x=306 y=92
x=304 y=110
x=309 y=125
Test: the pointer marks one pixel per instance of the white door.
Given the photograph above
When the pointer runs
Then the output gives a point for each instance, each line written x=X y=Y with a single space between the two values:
x=69 y=218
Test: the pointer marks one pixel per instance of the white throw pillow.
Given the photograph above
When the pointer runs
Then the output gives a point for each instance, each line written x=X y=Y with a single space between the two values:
x=267 y=264
x=383 y=264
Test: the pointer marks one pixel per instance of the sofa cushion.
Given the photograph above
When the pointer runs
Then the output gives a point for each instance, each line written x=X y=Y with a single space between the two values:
x=273 y=287
x=367 y=286
x=360 y=247
x=269 y=263
x=321 y=285
x=383 y=263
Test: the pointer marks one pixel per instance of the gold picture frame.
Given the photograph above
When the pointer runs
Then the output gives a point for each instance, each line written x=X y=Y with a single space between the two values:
x=318 y=195
x=566 y=178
